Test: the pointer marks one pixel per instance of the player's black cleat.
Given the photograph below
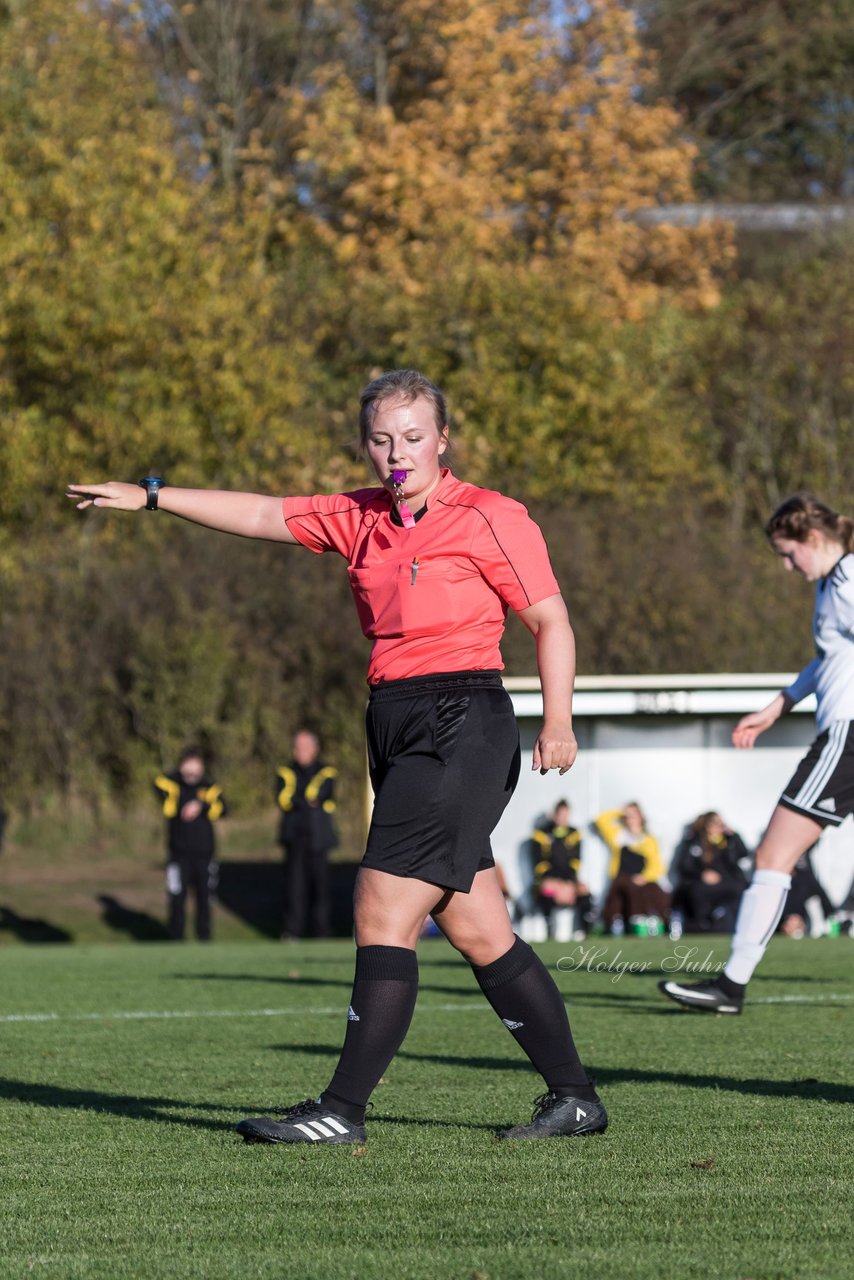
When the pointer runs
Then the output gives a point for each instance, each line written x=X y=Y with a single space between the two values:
x=702 y=995
x=308 y=1121
x=556 y=1117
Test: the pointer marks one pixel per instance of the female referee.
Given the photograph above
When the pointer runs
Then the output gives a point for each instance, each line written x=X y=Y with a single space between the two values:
x=434 y=565
x=818 y=543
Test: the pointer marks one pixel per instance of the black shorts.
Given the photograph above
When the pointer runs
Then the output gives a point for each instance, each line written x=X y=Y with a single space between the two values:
x=822 y=786
x=444 y=758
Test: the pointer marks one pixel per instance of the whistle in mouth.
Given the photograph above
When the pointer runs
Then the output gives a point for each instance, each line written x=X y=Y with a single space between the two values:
x=397 y=478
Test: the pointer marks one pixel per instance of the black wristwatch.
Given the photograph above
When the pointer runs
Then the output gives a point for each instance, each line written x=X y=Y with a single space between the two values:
x=152 y=486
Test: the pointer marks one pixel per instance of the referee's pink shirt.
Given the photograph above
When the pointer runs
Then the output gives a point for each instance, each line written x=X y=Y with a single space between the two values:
x=433 y=598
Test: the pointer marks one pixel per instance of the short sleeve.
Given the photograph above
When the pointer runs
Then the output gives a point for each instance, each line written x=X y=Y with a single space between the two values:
x=327 y=521
x=511 y=553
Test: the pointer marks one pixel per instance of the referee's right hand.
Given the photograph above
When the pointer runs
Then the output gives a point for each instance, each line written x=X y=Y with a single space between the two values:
x=115 y=494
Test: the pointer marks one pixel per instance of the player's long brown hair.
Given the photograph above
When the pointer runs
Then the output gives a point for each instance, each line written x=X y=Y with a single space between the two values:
x=803 y=512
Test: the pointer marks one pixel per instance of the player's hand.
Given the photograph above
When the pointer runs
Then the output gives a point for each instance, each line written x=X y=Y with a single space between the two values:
x=114 y=494
x=555 y=748
x=749 y=728
x=191 y=810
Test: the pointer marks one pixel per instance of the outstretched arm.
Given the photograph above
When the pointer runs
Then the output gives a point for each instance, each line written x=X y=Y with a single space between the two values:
x=549 y=624
x=249 y=515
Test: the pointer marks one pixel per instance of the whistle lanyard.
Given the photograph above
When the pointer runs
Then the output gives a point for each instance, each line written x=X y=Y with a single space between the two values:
x=397 y=479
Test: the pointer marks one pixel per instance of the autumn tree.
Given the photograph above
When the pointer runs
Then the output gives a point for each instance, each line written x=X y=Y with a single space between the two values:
x=765 y=90
x=139 y=323
x=495 y=131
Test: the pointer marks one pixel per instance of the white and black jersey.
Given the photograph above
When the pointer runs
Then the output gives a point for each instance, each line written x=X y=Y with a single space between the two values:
x=830 y=675
x=823 y=783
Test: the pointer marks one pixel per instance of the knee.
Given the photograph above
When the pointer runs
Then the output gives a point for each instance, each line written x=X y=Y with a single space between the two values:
x=377 y=926
x=769 y=859
x=479 y=949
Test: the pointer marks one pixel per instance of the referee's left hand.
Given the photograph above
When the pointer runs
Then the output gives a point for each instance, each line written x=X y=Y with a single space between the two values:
x=555 y=748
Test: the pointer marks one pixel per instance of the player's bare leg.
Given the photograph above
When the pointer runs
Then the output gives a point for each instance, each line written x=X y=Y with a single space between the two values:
x=789 y=835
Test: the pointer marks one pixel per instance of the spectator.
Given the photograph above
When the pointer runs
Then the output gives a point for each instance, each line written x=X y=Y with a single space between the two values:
x=562 y=898
x=808 y=908
x=305 y=792
x=191 y=803
x=709 y=878
x=634 y=894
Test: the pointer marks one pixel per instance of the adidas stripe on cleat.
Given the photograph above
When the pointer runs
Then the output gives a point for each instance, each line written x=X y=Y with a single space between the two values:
x=706 y=996
x=308 y=1121
x=556 y=1117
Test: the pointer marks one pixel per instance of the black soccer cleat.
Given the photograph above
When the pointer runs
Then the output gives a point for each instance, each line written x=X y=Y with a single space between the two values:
x=708 y=996
x=308 y=1121
x=556 y=1117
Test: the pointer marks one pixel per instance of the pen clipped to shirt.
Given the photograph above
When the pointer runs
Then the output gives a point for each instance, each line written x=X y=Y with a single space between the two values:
x=415 y=567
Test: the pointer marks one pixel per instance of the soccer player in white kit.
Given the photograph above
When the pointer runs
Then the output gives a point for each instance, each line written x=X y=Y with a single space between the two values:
x=818 y=543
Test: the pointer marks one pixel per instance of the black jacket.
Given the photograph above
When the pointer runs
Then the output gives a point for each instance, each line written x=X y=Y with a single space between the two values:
x=557 y=852
x=688 y=864
x=189 y=839
x=305 y=795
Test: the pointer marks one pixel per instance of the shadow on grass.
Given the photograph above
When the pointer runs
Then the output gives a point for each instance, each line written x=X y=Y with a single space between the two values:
x=126 y=1106
x=139 y=925
x=30 y=930
x=302 y=981
x=806 y=1089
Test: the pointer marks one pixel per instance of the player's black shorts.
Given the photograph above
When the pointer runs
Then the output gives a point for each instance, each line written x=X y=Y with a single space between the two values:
x=444 y=758
x=822 y=786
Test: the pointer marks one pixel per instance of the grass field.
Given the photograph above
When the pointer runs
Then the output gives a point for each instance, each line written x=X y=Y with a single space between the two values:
x=125 y=1068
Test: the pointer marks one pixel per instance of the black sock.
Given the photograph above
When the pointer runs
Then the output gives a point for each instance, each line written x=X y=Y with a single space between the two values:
x=584 y=910
x=384 y=992
x=523 y=994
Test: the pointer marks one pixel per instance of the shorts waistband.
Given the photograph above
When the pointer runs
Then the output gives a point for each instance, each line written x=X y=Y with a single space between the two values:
x=412 y=686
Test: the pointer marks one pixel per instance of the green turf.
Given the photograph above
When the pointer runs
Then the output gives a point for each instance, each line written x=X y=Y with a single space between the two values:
x=729 y=1152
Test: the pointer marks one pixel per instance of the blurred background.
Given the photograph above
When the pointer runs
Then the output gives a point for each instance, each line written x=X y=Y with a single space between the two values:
x=617 y=234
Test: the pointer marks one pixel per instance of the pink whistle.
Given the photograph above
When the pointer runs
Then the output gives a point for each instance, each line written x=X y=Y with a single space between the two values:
x=397 y=478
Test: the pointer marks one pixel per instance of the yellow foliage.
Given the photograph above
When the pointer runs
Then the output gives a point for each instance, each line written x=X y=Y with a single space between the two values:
x=139 y=324
x=529 y=143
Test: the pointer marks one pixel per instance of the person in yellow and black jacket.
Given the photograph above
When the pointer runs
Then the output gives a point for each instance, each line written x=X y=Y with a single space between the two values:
x=635 y=868
x=557 y=864
x=305 y=792
x=191 y=804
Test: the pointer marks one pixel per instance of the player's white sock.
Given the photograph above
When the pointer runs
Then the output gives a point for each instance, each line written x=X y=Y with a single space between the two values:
x=758 y=917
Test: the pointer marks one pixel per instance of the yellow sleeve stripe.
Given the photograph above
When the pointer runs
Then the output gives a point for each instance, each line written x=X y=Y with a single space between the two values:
x=323 y=775
x=542 y=839
x=329 y=806
x=171 y=794
x=287 y=789
x=213 y=799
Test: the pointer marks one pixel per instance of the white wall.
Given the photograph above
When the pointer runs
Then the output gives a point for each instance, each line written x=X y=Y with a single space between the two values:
x=676 y=767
